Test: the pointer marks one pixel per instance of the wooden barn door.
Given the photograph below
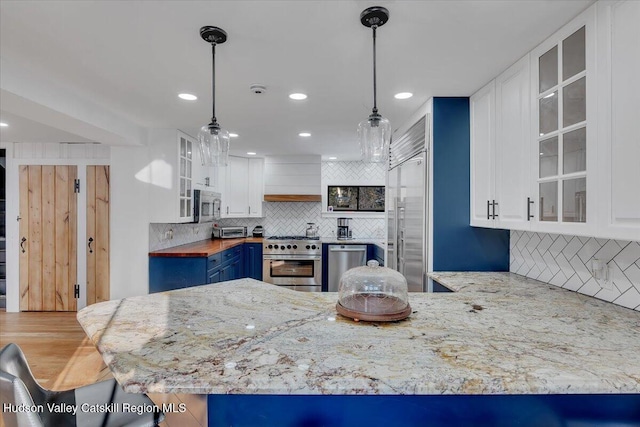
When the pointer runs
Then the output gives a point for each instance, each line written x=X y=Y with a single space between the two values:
x=48 y=227
x=97 y=234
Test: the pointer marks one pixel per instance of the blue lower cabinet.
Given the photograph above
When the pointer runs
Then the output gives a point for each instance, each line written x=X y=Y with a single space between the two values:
x=169 y=273
x=253 y=260
x=375 y=252
x=215 y=276
x=596 y=410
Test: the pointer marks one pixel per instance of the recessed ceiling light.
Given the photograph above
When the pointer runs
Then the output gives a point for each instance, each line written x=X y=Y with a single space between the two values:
x=3 y=124
x=305 y=134
x=403 y=95
x=332 y=158
x=187 y=96
x=251 y=153
x=233 y=135
x=298 y=96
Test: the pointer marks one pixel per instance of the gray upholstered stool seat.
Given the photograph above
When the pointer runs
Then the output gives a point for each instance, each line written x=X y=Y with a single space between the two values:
x=103 y=404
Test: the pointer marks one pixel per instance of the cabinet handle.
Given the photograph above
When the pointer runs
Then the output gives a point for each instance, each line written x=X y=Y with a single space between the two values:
x=249 y=210
x=529 y=203
x=493 y=209
x=227 y=210
x=89 y=245
x=22 y=242
x=488 y=204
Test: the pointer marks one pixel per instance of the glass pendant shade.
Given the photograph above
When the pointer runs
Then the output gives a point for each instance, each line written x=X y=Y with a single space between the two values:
x=374 y=135
x=213 y=141
x=214 y=145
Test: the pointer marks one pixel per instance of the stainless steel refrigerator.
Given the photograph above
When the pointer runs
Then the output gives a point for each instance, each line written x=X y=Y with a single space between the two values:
x=407 y=205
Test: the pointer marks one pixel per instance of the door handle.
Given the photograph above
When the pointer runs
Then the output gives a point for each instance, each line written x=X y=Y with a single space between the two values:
x=22 y=242
x=89 y=245
x=529 y=203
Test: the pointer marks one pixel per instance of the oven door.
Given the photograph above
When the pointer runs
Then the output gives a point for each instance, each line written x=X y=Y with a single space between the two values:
x=303 y=272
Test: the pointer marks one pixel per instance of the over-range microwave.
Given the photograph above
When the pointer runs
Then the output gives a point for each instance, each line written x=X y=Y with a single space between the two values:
x=206 y=206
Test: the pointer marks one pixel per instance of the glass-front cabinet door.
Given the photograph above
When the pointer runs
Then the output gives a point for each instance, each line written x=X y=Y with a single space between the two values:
x=185 y=160
x=562 y=115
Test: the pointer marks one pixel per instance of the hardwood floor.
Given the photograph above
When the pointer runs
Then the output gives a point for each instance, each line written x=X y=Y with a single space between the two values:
x=62 y=357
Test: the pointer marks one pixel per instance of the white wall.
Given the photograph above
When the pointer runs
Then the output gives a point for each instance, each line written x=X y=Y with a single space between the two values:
x=129 y=223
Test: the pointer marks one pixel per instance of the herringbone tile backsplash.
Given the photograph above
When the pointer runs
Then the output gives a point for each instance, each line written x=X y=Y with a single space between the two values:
x=280 y=218
x=566 y=261
x=288 y=218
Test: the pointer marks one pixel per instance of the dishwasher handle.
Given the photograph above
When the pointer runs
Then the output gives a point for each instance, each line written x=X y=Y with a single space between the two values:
x=354 y=249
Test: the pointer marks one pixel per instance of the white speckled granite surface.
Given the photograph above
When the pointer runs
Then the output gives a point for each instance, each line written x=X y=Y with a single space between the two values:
x=500 y=333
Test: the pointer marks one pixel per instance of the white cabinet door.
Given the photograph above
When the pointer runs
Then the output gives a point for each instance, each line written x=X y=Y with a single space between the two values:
x=512 y=177
x=256 y=187
x=169 y=175
x=618 y=115
x=564 y=105
x=482 y=110
x=235 y=199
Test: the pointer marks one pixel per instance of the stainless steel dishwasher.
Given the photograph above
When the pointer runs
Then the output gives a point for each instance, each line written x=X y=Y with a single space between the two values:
x=341 y=259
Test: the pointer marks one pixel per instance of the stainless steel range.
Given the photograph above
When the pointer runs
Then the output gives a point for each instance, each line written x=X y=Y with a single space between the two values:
x=294 y=262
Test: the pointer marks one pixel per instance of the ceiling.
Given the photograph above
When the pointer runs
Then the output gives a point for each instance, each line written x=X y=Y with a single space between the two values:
x=132 y=58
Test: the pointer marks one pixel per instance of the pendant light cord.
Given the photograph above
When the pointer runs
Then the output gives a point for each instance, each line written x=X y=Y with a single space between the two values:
x=375 y=105
x=213 y=83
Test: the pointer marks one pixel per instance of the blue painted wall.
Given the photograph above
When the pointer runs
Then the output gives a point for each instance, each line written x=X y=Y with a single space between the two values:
x=456 y=245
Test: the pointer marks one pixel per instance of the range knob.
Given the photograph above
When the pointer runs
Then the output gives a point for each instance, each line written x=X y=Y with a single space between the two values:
x=288 y=246
x=282 y=247
x=308 y=247
x=313 y=246
x=295 y=246
x=270 y=246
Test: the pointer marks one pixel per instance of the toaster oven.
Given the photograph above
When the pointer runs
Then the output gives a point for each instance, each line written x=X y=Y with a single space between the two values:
x=229 y=232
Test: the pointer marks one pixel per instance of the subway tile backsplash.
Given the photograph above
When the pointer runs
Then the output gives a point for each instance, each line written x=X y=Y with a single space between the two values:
x=566 y=261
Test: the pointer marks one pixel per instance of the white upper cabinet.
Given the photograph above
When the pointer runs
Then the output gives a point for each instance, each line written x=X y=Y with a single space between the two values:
x=242 y=181
x=563 y=132
x=618 y=119
x=577 y=170
x=170 y=171
x=482 y=111
x=512 y=174
x=500 y=177
x=256 y=187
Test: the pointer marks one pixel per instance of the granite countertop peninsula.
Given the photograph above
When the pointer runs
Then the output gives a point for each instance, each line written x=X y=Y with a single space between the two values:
x=500 y=333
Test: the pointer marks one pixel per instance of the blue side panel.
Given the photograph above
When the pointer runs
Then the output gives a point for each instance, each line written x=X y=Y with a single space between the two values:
x=456 y=245
x=325 y=267
x=168 y=273
x=253 y=260
x=420 y=411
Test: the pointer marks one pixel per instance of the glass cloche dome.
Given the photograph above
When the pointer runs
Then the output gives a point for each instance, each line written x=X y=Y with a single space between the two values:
x=373 y=293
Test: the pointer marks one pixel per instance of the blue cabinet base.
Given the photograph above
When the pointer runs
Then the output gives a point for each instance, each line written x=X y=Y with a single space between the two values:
x=169 y=273
x=622 y=410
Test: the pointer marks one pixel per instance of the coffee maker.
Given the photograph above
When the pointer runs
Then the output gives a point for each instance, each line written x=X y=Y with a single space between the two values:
x=344 y=233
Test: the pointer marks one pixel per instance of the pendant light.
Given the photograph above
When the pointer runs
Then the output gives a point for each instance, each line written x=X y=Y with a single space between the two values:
x=374 y=133
x=213 y=140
